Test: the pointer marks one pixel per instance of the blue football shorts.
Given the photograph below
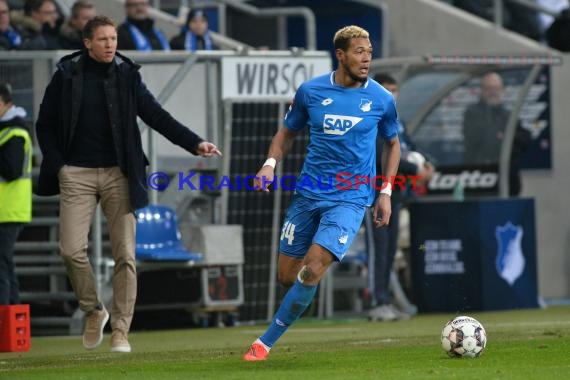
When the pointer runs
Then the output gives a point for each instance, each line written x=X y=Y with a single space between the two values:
x=330 y=224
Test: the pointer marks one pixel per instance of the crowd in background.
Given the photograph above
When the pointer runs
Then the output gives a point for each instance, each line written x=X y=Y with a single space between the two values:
x=40 y=25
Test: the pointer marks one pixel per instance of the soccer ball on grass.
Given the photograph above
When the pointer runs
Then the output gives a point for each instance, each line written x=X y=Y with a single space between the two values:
x=463 y=336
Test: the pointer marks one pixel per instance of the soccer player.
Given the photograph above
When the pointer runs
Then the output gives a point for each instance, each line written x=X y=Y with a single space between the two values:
x=345 y=112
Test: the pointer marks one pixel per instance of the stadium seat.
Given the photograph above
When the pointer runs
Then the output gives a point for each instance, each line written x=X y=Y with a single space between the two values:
x=158 y=237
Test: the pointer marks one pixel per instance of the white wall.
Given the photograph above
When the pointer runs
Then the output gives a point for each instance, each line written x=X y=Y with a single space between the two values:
x=550 y=188
x=187 y=104
x=429 y=26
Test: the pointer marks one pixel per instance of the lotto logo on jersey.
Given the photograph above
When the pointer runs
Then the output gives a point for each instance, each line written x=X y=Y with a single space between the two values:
x=339 y=124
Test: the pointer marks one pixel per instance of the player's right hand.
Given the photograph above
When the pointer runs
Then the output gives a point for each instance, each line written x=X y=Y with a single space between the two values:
x=382 y=211
x=264 y=178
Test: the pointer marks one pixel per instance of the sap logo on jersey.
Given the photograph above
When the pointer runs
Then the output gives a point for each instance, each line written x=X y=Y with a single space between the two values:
x=339 y=124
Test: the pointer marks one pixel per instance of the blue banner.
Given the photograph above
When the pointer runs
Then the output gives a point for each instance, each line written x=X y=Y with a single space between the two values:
x=473 y=255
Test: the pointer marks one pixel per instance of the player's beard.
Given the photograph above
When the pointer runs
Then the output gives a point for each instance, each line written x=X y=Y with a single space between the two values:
x=353 y=76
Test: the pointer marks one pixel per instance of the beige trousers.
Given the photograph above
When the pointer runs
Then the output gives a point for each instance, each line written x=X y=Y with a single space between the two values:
x=81 y=189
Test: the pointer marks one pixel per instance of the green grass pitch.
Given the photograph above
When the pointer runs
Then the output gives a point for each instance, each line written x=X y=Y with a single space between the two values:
x=522 y=344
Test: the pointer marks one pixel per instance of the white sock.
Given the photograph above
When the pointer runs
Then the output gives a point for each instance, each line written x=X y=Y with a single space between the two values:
x=263 y=344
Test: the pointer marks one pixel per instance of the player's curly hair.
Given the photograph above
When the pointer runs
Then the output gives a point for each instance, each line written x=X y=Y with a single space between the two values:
x=343 y=36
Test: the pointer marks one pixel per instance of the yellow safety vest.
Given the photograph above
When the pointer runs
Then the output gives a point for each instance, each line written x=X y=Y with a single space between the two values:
x=16 y=195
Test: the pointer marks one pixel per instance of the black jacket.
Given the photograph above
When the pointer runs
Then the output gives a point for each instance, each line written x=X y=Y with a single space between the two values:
x=483 y=131
x=58 y=115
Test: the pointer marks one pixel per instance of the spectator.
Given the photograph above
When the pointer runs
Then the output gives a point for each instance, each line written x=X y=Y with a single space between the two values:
x=15 y=189
x=484 y=126
x=386 y=238
x=39 y=25
x=194 y=35
x=92 y=151
x=558 y=34
x=10 y=37
x=70 y=35
x=138 y=31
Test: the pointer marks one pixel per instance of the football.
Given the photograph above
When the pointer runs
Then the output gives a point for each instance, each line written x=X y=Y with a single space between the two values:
x=463 y=337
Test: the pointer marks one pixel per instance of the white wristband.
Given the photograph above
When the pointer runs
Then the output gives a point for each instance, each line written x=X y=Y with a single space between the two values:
x=270 y=162
x=386 y=189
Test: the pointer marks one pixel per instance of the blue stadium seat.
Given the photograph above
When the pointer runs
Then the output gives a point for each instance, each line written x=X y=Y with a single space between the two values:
x=158 y=237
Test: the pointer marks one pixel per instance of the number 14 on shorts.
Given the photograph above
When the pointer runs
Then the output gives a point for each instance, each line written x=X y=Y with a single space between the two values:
x=287 y=232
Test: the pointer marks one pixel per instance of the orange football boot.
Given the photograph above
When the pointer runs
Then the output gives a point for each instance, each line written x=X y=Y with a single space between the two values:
x=256 y=352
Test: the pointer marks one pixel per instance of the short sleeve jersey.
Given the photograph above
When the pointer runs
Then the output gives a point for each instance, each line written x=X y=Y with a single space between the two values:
x=344 y=124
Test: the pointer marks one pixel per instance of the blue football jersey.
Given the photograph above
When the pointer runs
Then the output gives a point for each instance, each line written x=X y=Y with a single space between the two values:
x=343 y=126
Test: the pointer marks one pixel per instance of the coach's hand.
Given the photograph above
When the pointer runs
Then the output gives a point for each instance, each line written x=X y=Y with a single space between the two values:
x=382 y=211
x=207 y=149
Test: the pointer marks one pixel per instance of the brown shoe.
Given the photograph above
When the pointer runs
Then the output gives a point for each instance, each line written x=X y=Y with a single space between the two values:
x=94 y=324
x=119 y=342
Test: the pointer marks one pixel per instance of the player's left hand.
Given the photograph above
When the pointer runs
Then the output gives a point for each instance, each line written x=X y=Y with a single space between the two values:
x=382 y=211
x=207 y=149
